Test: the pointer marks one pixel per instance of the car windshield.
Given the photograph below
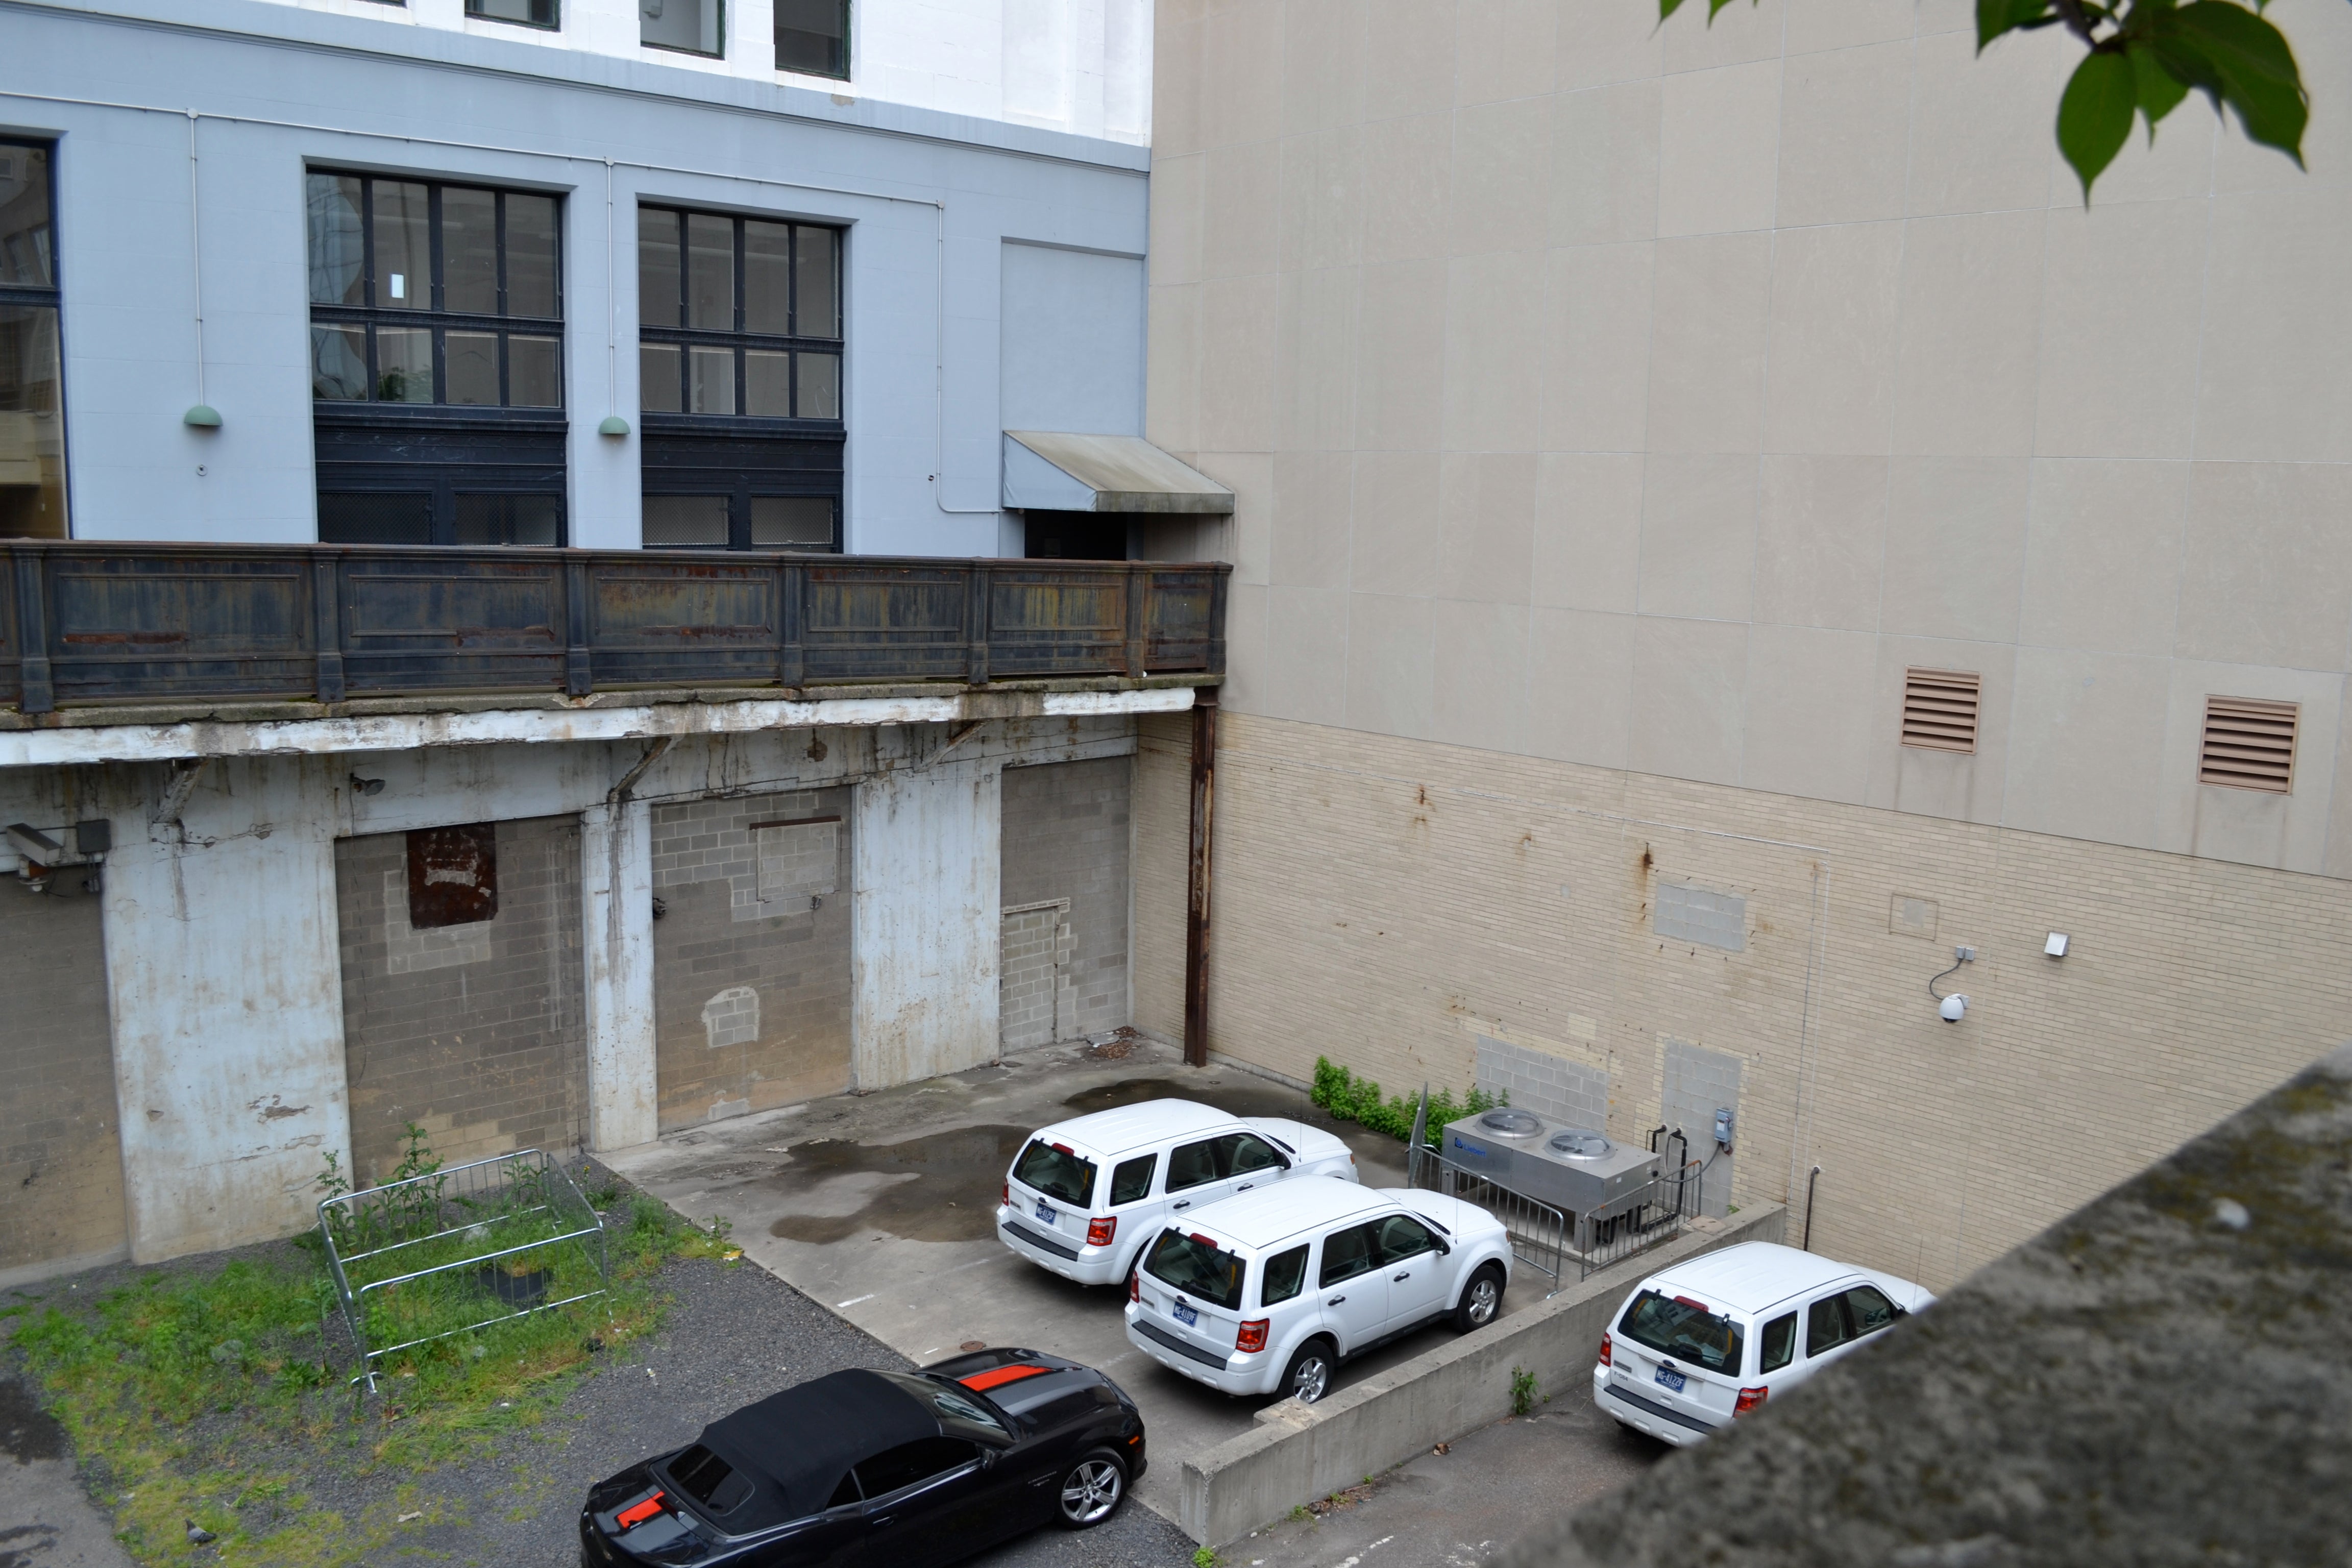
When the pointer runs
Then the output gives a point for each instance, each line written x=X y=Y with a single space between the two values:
x=1678 y=1326
x=1057 y=1172
x=952 y=1404
x=1198 y=1267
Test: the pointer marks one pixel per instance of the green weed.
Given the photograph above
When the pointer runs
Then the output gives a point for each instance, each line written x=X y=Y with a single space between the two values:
x=1358 y=1099
x=1523 y=1391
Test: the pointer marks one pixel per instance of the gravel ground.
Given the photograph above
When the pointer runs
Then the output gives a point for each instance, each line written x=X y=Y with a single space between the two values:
x=734 y=1334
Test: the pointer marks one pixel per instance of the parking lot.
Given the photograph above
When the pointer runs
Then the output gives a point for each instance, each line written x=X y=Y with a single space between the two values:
x=881 y=1206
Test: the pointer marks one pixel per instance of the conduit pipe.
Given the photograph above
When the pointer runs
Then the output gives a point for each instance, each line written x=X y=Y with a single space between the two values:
x=1197 y=880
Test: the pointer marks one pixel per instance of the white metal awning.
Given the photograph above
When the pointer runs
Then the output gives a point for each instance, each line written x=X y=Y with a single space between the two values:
x=1051 y=470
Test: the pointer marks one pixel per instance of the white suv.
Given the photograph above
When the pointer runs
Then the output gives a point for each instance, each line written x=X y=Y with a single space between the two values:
x=1268 y=1293
x=1083 y=1196
x=1711 y=1339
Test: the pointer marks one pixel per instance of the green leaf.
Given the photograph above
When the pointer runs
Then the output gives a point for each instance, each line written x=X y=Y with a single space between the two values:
x=2159 y=90
x=1667 y=8
x=1995 y=18
x=1712 y=7
x=2094 y=115
x=2238 y=59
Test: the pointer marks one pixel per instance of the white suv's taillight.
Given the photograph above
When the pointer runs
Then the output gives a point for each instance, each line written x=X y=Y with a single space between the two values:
x=1007 y=1199
x=1252 y=1335
x=1750 y=1399
x=1135 y=1284
x=1604 y=1348
x=1100 y=1231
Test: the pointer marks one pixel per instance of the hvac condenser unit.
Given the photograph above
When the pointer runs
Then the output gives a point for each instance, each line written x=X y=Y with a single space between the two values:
x=1573 y=1169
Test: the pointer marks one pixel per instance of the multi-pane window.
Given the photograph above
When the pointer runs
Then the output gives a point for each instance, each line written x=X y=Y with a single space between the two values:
x=691 y=26
x=437 y=361
x=739 y=379
x=813 y=37
x=31 y=412
x=526 y=13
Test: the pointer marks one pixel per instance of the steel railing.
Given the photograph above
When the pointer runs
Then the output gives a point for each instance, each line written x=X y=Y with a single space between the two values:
x=456 y=1233
x=89 y=622
x=1541 y=1235
x=1548 y=1239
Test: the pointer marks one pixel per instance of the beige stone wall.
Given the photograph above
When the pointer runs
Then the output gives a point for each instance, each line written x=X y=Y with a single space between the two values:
x=1383 y=901
x=1651 y=397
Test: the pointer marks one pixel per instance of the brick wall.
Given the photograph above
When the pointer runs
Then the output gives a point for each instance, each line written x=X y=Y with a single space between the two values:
x=1035 y=999
x=1387 y=902
x=474 y=1031
x=750 y=953
x=60 y=1158
x=1066 y=837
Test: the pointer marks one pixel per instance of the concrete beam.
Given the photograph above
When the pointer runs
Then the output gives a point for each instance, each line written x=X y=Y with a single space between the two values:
x=408 y=732
x=1301 y=1452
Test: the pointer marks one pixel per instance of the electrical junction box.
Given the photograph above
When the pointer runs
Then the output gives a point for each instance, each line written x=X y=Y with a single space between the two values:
x=1722 y=1126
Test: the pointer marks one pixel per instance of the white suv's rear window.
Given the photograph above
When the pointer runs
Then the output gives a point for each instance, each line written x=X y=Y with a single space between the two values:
x=1682 y=1328
x=1056 y=1172
x=1198 y=1267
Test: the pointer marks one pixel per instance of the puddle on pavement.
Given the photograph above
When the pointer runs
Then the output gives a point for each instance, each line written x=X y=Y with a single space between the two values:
x=942 y=1187
x=27 y=1432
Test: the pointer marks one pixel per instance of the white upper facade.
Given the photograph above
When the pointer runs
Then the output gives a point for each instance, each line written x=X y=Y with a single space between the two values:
x=1083 y=67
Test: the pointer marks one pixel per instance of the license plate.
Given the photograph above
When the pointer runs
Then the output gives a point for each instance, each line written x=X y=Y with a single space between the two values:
x=1046 y=1212
x=1187 y=1314
x=1669 y=1378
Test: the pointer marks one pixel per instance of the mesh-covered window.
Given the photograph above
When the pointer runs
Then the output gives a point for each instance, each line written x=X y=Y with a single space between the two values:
x=813 y=37
x=32 y=403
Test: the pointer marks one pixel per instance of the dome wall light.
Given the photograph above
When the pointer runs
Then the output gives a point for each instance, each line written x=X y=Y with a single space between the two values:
x=202 y=416
x=614 y=425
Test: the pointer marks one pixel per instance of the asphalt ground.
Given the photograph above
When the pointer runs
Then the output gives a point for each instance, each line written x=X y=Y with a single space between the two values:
x=882 y=1206
x=734 y=1334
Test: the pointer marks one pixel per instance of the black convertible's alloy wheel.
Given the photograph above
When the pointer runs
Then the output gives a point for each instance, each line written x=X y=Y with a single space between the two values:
x=1091 y=1490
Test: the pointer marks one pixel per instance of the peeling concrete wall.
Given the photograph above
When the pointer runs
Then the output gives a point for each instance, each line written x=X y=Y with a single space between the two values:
x=474 y=1032
x=925 y=923
x=1162 y=837
x=61 y=1161
x=616 y=951
x=227 y=999
x=751 y=953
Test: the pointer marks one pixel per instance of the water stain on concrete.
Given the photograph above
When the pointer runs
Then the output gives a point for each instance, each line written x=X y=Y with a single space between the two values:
x=1234 y=1099
x=942 y=1187
x=27 y=1432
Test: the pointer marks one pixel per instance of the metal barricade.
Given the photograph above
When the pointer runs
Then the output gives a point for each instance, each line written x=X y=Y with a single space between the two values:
x=419 y=1260
x=1539 y=1233
x=1631 y=1226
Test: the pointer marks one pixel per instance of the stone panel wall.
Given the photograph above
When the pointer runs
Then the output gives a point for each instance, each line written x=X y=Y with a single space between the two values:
x=61 y=1154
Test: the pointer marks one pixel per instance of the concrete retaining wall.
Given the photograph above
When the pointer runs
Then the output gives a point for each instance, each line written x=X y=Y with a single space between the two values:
x=1300 y=1452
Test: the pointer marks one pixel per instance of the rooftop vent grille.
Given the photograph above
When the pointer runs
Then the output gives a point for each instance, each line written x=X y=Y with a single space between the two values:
x=2249 y=744
x=1939 y=709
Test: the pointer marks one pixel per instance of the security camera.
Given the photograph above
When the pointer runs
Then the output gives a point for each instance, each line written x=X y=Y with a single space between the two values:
x=1953 y=1008
x=35 y=845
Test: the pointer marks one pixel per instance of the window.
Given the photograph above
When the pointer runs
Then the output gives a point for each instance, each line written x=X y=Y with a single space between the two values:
x=1285 y=1276
x=1680 y=1327
x=2249 y=744
x=1346 y=1254
x=1198 y=1267
x=1939 y=709
x=1056 y=1172
x=709 y=1480
x=1240 y=1154
x=523 y=13
x=1191 y=1164
x=31 y=411
x=739 y=376
x=912 y=1464
x=690 y=26
x=1401 y=1238
x=1826 y=1326
x=1779 y=1341
x=437 y=361
x=1131 y=1181
x=1869 y=1311
x=813 y=37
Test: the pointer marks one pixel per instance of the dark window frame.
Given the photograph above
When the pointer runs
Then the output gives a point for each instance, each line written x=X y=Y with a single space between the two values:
x=554 y=8
x=701 y=456
x=437 y=451
x=51 y=296
x=839 y=70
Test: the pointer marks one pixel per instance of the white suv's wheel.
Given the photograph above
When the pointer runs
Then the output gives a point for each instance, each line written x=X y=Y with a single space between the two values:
x=1308 y=1377
x=1481 y=1300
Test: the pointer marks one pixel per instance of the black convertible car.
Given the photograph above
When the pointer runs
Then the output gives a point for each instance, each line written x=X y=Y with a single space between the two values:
x=890 y=1470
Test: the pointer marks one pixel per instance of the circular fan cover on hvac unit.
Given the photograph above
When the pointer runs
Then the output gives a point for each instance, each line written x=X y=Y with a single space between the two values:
x=1511 y=1123
x=1578 y=1143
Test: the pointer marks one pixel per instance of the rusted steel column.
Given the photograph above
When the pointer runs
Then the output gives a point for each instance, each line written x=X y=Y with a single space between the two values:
x=1196 y=914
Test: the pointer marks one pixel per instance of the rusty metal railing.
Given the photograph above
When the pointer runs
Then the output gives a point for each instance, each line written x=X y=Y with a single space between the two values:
x=94 y=622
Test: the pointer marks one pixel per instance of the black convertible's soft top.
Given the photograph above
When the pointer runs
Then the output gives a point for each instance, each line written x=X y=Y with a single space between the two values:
x=797 y=1445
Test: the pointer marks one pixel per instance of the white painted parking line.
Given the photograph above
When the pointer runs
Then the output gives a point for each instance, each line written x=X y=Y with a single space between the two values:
x=845 y=1306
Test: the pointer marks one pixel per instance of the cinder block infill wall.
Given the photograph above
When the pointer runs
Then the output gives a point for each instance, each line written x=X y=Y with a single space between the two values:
x=1301 y=1452
x=1388 y=903
x=60 y=1155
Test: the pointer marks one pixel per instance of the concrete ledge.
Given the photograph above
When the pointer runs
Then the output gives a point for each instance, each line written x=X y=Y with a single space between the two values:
x=1300 y=1452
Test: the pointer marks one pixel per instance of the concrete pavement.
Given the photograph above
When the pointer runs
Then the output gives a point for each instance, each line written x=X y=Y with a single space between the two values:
x=47 y=1521
x=881 y=1206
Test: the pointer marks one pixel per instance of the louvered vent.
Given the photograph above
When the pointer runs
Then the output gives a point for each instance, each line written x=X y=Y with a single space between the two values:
x=1939 y=709
x=2249 y=744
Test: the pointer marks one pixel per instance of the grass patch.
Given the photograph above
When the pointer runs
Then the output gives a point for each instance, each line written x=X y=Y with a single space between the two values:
x=1351 y=1098
x=217 y=1394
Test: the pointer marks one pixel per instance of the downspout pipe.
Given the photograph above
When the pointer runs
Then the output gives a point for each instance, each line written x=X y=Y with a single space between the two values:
x=1198 y=886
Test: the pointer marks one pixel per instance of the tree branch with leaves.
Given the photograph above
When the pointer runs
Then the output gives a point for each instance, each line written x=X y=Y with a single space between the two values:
x=2144 y=57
